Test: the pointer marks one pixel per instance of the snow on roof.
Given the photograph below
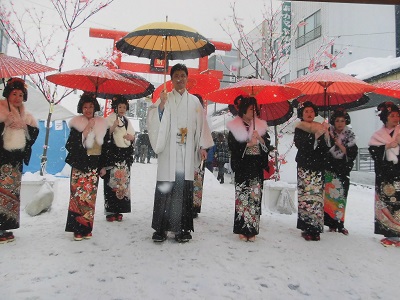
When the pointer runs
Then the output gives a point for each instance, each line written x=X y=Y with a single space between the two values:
x=371 y=66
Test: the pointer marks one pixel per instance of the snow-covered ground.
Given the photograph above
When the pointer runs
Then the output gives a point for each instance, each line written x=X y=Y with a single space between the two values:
x=122 y=262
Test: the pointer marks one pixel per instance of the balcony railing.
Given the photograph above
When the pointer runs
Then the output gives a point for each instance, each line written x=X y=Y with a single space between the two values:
x=308 y=37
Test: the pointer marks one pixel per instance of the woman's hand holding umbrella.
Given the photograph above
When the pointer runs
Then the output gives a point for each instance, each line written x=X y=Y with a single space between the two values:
x=254 y=139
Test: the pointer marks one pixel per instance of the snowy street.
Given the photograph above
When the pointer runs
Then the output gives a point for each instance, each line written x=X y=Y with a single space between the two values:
x=122 y=262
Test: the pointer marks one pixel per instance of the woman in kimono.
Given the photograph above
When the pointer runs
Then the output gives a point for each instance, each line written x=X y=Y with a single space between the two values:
x=310 y=140
x=18 y=132
x=118 y=158
x=249 y=146
x=340 y=161
x=384 y=149
x=84 y=147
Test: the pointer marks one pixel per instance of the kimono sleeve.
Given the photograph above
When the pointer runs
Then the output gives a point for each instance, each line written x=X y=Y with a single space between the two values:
x=33 y=133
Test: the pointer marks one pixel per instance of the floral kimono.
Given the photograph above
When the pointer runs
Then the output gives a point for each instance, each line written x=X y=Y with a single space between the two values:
x=248 y=164
x=387 y=182
x=337 y=178
x=310 y=158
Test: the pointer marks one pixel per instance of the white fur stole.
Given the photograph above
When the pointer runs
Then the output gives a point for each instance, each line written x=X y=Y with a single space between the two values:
x=97 y=134
x=239 y=130
x=15 y=139
x=382 y=137
x=120 y=131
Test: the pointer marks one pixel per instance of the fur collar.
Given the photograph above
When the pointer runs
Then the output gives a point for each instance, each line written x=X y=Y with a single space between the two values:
x=99 y=131
x=15 y=139
x=382 y=137
x=239 y=130
x=21 y=113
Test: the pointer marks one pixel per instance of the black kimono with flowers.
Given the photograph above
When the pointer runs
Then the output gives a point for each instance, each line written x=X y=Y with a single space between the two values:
x=311 y=161
x=387 y=193
x=248 y=164
x=11 y=165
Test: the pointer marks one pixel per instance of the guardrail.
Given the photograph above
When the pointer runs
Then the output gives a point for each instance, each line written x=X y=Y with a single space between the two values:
x=364 y=161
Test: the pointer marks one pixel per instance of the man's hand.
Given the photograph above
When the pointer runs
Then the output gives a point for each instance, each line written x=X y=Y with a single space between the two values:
x=163 y=98
x=203 y=154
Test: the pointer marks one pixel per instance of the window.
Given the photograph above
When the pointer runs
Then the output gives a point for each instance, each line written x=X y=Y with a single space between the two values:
x=309 y=30
x=302 y=72
x=285 y=79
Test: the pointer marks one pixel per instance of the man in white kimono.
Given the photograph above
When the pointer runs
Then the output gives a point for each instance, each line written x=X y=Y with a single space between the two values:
x=179 y=137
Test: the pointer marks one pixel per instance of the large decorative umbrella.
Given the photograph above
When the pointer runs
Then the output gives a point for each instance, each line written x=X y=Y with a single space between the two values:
x=145 y=88
x=330 y=89
x=97 y=80
x=201 y=84
x=167 y=41
x=263 y=90
x=11 y=66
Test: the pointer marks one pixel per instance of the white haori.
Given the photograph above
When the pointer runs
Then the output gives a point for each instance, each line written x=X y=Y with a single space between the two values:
x=120 y=131
x=382 y=137
x=179 y=112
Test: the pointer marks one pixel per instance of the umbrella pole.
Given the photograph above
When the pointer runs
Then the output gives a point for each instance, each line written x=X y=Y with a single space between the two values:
x=165 y=64
x=325 y=101
x=254 y=117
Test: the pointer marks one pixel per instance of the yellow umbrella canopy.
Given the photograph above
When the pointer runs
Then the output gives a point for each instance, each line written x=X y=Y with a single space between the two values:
x=165 y=40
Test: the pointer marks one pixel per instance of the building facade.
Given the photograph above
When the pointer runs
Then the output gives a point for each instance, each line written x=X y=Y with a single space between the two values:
x=335 y=34
x=320 y=34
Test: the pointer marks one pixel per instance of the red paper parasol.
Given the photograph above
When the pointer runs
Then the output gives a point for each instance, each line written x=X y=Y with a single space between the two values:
x=146 y=87
x=201 y=84
x=97 y=80
x=264 y=91
x=274 y=113
x=331 y=89
x=12 y=66
x=388 y=88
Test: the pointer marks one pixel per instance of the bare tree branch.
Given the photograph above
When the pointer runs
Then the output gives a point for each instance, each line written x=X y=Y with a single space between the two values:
x=26 y=31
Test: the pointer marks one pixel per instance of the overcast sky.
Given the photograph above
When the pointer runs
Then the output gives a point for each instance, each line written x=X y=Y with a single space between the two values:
x=205 y=16
x=125 y=15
